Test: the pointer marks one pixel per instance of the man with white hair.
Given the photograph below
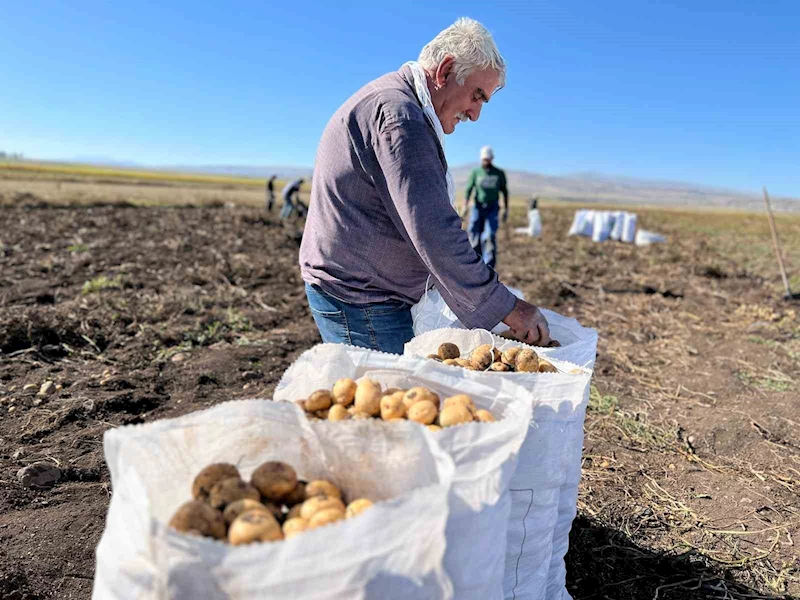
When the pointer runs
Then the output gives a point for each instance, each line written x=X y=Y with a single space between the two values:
x=382 y=223
x=488 y=182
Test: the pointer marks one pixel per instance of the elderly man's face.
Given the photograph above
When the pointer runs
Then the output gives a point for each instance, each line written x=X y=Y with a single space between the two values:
x=462 y=102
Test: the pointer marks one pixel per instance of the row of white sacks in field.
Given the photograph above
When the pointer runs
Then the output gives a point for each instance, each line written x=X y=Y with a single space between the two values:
x=478 y=511
x=602 y=225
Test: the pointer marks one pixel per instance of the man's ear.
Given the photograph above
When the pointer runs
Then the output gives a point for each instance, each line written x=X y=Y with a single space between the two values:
x=444 y=69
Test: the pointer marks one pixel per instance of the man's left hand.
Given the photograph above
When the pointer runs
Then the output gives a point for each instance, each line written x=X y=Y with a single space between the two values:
x=505 y=216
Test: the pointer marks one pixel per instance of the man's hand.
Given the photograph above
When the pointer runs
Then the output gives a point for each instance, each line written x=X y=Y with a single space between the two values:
x=528 y=324
x=505 y=216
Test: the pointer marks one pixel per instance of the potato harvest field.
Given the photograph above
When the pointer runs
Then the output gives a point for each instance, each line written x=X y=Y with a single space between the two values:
x=125 y=302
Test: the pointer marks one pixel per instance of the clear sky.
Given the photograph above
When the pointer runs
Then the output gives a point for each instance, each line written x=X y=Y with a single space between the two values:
x=702 y=91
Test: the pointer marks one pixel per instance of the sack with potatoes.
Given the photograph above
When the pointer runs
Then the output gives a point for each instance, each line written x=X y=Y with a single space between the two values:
x=545 y=484
x=250 y=499
x=481 y=426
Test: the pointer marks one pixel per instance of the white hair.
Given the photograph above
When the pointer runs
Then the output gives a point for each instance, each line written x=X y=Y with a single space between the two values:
x=471 y=46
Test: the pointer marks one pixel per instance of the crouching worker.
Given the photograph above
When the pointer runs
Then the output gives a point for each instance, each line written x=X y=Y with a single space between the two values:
x=381 y=222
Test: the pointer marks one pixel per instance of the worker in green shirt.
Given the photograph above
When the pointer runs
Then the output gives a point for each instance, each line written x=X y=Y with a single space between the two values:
x=487 y=181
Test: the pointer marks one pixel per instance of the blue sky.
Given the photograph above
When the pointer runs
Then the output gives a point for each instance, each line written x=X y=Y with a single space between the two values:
x=702 y=91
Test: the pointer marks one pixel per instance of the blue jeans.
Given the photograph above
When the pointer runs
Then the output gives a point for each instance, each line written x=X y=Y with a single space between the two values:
x=484 y=217
x=384 y=326
x=288 y=207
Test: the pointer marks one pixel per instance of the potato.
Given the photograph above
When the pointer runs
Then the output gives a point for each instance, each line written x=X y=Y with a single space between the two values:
x=199 y=518
x=254 y=526
x=344 y=392
x=482 y=357
x=316 y=504
x=275 y=480
x=230 y=490
x=368 y=397
x=294 y=512
x=325 y=517
x=545 y=366
x=454 y=414
x=297 y=495
x=209 y=477
x=453 y=362
x=484 y=416
x=417 y=394
x=337 y=412
x=435 y=357
x=433 y=428
x=462 y=399
x=360 y=416
x=509 y=356
x=527 y=361
x=322 y=414
x=448 y=350
x=500 y=367
x=294 y=526
x=423 y=412
x=234 y=509
x=356 y=507
x=392 y=406
x=319 y=400
x=322 y=487
x=463 y=362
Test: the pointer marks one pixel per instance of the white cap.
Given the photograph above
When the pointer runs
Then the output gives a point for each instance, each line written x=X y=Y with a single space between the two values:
x=486 y=152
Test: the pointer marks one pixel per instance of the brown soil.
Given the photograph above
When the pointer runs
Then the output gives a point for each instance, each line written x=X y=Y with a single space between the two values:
x=692 y=453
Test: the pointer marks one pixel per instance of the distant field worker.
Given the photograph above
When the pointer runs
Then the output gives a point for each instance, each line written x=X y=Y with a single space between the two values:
x=290 y=195
x=270 y=193
x=382 y=223
x=488 y=182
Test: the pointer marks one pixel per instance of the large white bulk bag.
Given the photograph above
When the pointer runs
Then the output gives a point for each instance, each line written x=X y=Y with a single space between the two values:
x=545 y=484
x=485 y=454
x=534 y=223
x=601 y=226
x=393 y=550
x=629 y=228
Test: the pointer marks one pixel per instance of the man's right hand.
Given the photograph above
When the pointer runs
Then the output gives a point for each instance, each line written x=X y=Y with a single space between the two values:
x=528 y=324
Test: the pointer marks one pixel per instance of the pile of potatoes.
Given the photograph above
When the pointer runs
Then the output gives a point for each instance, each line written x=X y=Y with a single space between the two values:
x=366 y=400
x=272 y=506
x=487 y=358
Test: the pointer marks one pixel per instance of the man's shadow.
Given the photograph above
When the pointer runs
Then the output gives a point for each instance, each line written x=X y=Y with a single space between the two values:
x=604 y=563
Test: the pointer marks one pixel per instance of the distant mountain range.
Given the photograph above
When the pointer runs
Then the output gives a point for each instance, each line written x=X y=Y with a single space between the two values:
x=579 y=187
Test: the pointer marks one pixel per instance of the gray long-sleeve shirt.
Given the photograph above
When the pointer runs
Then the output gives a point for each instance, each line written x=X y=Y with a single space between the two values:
x=380 y=220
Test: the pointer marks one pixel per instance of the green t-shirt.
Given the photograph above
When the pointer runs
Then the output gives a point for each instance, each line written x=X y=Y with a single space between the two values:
x=488 y=183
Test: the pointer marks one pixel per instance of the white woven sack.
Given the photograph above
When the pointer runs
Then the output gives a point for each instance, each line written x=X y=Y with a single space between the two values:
x=485 y=454
x=544 y=487
x=393 y=550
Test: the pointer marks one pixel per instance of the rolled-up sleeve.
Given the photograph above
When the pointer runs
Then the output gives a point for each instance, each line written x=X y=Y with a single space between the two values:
x=416 y=197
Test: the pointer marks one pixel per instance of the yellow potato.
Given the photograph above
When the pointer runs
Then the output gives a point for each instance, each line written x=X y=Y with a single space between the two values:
x=322 y=487
x=368 y=397
x=319 y=400
x=462 y=399
x=275 y=480
x=199 y=518
x=453 y=362
x=500 y=367
x=325 y=517
x=254 y=526
x=356 y=507
x=209 y=477
x=509 y=357
x=423 y=412
x=463 y=362
x=338 y=412
x=344 y=392
x=434 y=357
x=360 y=416
x=434 y=427
x=418 y=394
x=294 y=512
x=294 y=526
x=484 y=416
x=482 y=357
x=234 y=509
x=448 y=351
x=527 y=361
x=392 y=406
x=317 y=503
x=454 y=414
x=545 y=366
x=231 y=490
